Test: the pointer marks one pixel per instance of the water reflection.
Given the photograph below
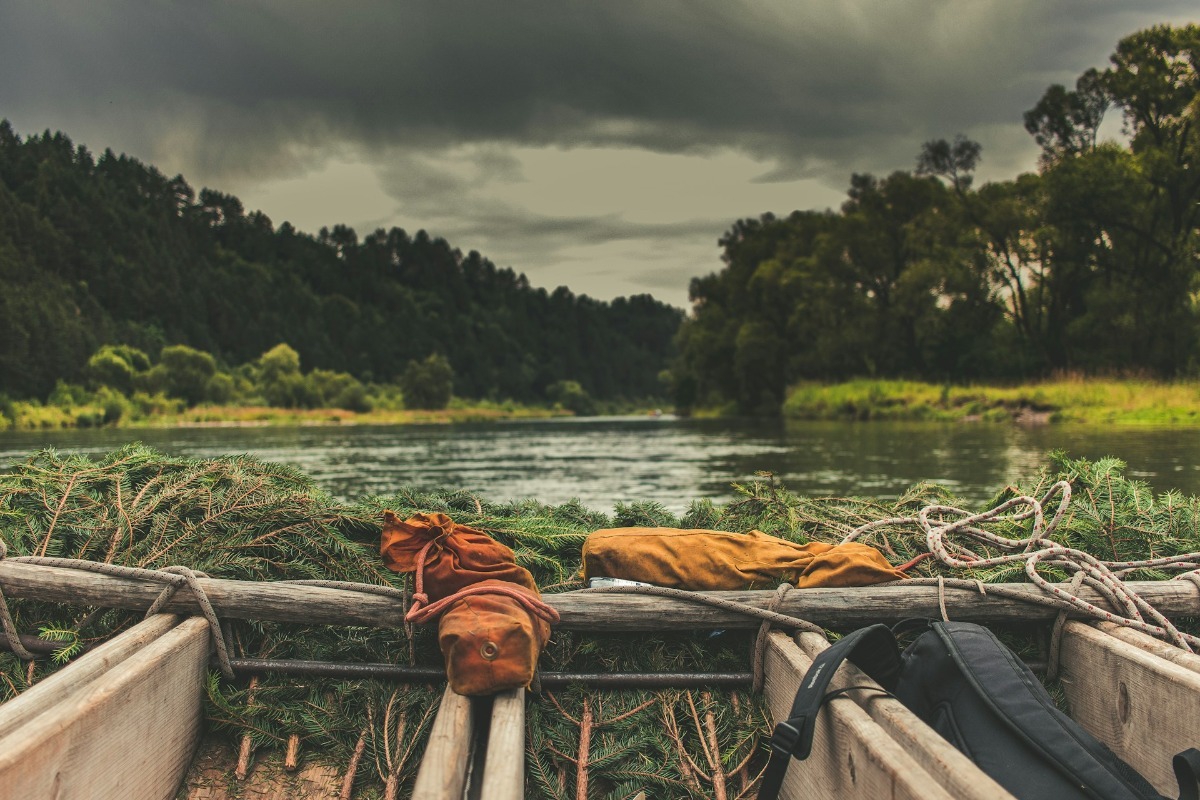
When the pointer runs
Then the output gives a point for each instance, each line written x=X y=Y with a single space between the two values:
x=672 y=461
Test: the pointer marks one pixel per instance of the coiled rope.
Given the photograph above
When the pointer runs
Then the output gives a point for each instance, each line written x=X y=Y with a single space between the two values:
x=939 y=523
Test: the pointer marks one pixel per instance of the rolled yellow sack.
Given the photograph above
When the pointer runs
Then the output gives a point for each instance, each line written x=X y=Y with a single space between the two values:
x=703 y=560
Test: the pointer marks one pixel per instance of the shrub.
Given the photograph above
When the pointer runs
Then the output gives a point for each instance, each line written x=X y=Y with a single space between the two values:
x=116 y=365
x=427 y=384
x=572 y=396
x=187 y=372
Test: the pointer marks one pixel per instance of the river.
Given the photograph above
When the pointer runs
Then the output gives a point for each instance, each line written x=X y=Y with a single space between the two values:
x=604 y=461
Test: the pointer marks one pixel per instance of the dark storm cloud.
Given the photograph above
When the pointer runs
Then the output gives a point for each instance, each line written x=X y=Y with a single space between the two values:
x=448 y=203
x=447 y=103
x=266 y=87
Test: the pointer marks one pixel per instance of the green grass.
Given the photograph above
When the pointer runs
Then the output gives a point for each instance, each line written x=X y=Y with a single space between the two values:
x=35 y=416
x=1092 y=400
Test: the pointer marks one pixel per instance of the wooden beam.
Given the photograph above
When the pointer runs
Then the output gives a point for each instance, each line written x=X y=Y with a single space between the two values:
x=956 y=773
x=845 y=608
x=1146 y=709
x=130 y=734
x=276 y=602
x=852 y=756
x=599 y=612
x=443 y=771
x=504 y=766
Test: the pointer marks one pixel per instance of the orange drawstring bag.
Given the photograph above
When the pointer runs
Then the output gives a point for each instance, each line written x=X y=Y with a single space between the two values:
x=703 y=560
x=493 y=623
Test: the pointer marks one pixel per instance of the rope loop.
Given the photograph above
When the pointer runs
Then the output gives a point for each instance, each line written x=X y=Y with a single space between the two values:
x=760 y=641
x=939 y=523
x=175 y=577
x=422 y=610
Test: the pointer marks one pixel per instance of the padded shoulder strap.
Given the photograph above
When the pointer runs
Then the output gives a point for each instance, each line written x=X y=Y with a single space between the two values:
x=1187 y=772
x=873 y=650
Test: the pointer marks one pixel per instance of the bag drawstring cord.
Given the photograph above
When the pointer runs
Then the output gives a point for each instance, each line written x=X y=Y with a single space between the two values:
x=423 y=611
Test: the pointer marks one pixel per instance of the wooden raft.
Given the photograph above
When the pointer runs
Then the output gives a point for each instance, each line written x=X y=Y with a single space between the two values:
x=121 y=722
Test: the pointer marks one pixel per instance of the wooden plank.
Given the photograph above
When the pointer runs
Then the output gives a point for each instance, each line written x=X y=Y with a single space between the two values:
x=1145 y=708
x=129 y=736
x=1155 y=647
x=504 y=766
x=79 y=674
x=443 y=771
x=598 y=612
x=852 y=756
x=944 y=763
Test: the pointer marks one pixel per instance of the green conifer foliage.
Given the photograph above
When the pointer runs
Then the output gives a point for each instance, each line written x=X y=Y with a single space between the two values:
x=241 y=518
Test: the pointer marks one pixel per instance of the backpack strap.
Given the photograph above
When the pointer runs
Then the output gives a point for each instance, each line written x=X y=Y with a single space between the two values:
x=873 y=650
x=1187 y=772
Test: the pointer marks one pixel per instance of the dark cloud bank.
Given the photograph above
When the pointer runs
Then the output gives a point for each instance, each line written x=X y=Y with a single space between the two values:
x=243 y=91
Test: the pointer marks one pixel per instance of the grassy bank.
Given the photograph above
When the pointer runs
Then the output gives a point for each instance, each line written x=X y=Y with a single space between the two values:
x=265 y=415
x=36 y=416
x=1067 y=400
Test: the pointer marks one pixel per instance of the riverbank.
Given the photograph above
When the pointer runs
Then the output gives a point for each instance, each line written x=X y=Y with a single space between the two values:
x=1086 y=400
x=31 y=417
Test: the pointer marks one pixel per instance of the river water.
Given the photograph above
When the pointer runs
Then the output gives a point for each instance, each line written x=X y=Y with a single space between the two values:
x=604 y=461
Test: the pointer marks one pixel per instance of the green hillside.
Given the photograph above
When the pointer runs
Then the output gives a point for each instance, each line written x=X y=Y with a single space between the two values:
x=107 y=250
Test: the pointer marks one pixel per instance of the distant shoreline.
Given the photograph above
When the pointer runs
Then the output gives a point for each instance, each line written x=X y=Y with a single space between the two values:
x=1069 y=400
x=266 y=416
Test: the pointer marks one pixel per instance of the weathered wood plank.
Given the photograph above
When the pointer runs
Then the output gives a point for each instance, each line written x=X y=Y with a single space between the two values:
x=504 y=766
x=944 y=763
x=833 y=608
x=443 y=771
x=130 y=735
x=1155 y=647
x=1143 y=707
x=78 y=676
x=276 y=602
x=852 y=756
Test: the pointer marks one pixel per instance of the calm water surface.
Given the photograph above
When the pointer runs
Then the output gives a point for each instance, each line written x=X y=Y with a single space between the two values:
x=603 y=461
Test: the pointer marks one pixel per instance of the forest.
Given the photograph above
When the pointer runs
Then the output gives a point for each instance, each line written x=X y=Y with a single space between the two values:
x=1088 y=266
x=104 y=259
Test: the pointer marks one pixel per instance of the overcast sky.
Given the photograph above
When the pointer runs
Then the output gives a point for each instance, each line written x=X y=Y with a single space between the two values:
x=604 y=146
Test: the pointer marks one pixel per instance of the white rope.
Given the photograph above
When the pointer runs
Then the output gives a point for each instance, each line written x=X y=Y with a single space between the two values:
x=939 y=523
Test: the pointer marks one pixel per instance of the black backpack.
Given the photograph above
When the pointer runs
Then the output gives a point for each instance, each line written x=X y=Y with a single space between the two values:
x=965 y=684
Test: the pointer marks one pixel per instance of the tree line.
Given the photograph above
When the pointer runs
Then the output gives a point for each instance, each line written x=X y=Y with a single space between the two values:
x=1091 y=264
x=106 y=250
x=122 y=383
